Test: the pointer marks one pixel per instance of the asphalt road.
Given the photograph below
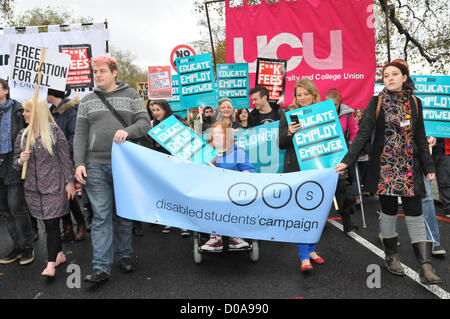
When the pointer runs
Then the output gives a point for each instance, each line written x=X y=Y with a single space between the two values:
x=166 y=269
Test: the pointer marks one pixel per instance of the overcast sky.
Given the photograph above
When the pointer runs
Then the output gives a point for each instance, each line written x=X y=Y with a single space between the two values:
x=149 y=29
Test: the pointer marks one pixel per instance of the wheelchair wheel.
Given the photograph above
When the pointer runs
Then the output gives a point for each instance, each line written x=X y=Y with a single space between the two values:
x=254 y=251
x=197 y=254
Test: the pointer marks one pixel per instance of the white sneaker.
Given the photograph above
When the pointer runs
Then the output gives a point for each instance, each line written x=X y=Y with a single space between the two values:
x=213 y=244
x=166 y=229
x=236 y=243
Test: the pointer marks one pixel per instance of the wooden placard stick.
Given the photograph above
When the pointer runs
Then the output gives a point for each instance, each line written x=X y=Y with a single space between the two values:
x=33 y=111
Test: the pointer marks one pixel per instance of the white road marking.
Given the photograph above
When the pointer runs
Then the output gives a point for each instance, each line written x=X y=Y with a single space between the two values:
x=435 y=289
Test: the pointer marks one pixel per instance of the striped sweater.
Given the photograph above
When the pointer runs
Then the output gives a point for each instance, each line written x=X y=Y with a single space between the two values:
x=96 y=125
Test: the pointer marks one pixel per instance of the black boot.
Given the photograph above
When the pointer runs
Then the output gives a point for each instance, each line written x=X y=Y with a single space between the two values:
x=346 y=212
x=392 y=260
x=422 y=249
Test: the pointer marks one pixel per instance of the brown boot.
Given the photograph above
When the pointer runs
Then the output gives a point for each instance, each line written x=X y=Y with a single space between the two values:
x=68 y=234
x=81 y=232
x=422 y=249
x=392 y=260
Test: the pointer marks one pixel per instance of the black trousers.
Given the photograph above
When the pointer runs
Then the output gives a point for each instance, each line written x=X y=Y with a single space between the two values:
x=53 y=238
x=412 y=206
x=344 y=197
x=12 y=202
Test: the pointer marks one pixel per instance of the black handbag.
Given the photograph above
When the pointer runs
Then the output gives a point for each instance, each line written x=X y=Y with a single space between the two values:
x=145 y=140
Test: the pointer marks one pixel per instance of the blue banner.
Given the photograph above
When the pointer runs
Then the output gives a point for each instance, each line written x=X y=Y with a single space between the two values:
x=320 y=143
x=434 y=91
x=232 y=82
x=152 y=187
x=260 y=144
x=197 y=81
x=181 y=142
x=174 y=101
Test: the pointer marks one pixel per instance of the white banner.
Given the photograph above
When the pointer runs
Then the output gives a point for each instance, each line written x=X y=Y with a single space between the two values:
x=96 y=36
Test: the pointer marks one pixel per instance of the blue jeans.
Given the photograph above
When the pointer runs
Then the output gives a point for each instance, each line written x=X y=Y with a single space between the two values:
x=429 y=213
x=109 y=233
x=305 y=249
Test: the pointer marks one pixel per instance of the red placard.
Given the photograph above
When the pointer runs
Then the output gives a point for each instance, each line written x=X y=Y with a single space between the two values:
x=80 y=70
x=159 y=82
x=271 y=73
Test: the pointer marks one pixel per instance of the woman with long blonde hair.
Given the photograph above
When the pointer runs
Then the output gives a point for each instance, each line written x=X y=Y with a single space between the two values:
x=304 y=91
x=49 y=177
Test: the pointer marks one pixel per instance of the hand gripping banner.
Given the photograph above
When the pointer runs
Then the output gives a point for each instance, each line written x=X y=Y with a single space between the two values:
x=153 y=187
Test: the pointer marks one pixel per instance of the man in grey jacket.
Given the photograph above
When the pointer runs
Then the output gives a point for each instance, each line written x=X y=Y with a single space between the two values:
x=95 y=131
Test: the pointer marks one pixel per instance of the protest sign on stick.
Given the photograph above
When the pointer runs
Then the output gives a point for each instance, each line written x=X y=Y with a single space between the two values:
x=26 y=67
x=33 y=112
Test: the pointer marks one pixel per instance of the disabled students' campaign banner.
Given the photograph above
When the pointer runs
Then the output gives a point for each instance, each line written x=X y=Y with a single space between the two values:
x=197 y=81
x=434 y=91
x=181 y=142
x=232 y=82
x=260 y=144
x=320 y=143
x=152 y=187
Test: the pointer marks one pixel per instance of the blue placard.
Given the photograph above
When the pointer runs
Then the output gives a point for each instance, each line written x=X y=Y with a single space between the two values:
x=197 y=82
x=174 y=101
x=434 y=91
x=261 y=145
x=181 y=142
x=320 y=143
x=232 y=82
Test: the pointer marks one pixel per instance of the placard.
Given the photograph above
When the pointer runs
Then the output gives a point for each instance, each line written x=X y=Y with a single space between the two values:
x=232 y=82
x=434 y=91
x=25 y=66
x=81 y=74
x=197 y=82
x=181 y=142
x=271 y=73
x=142 y=88
x=174 y=101
x=320 y=143
x=159 y=82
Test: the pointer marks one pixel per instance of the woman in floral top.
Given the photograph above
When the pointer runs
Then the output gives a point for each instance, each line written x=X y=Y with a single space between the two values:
x=399 y=156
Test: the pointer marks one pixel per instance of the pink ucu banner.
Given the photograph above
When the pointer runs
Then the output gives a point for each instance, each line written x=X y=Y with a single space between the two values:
x=331 y=42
